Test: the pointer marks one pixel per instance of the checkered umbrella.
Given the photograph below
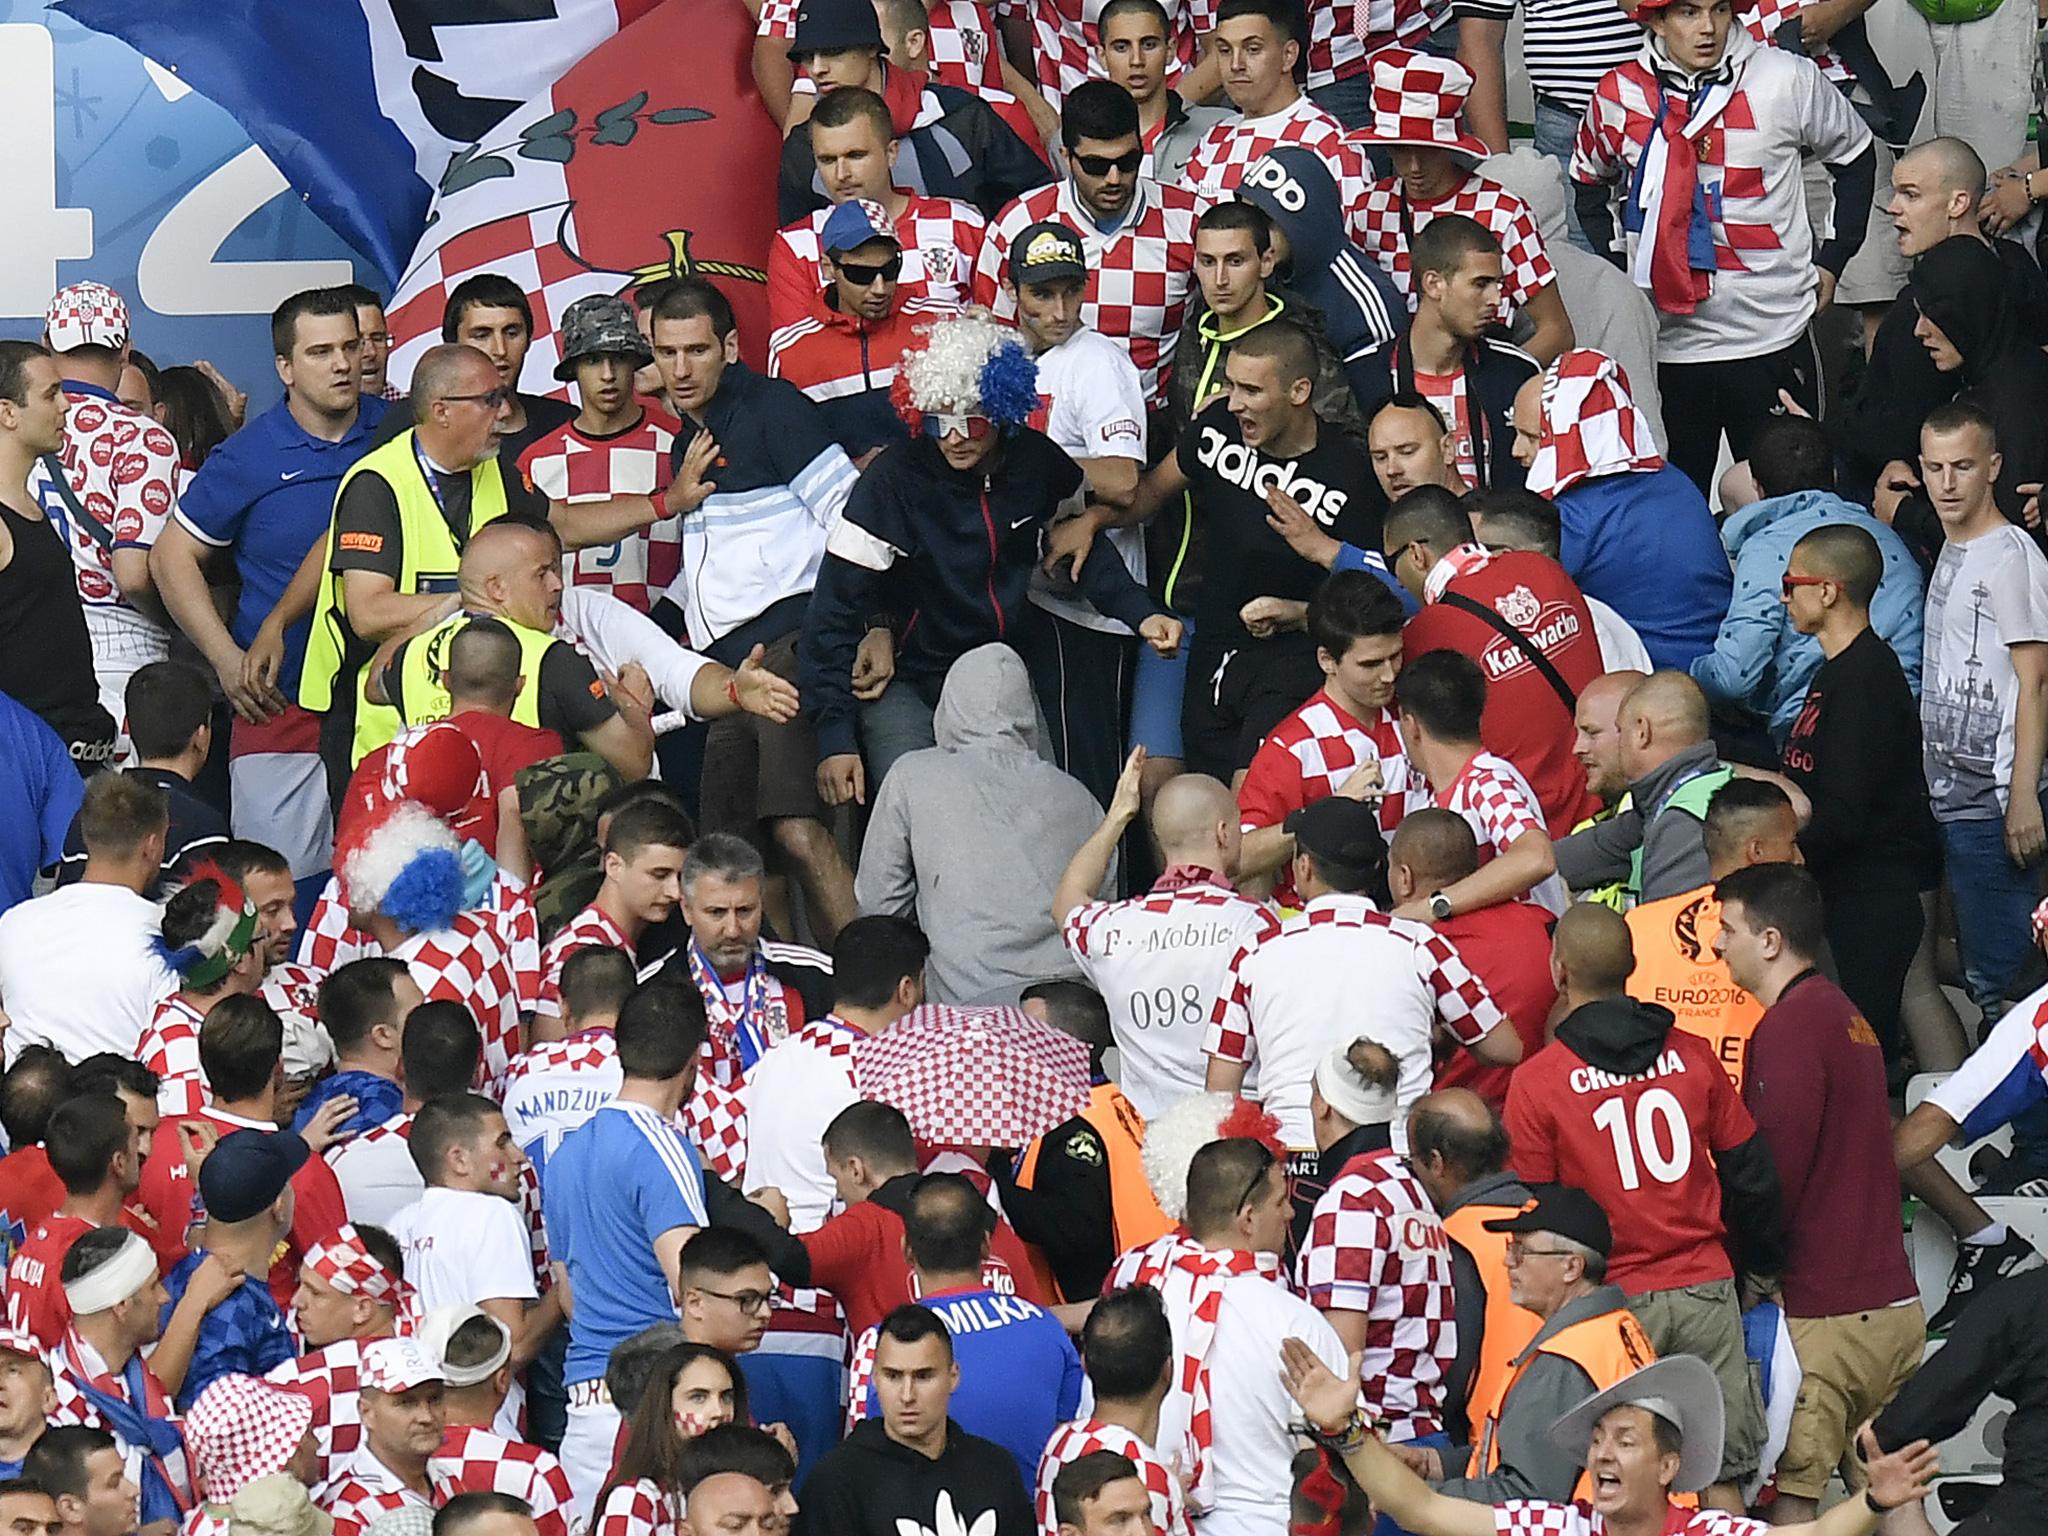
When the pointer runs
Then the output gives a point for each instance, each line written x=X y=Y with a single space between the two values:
x=975 y=1077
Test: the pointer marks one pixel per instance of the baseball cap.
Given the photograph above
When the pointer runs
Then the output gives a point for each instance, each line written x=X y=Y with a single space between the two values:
x=1563 y=1211
x=247 y=1171
x=398 y=1365
x=600 y=325
x=1045 y=253
x=1342 y=830
x=86 y=314
x=442 y=1324
x=854 y=223
x=826 y=26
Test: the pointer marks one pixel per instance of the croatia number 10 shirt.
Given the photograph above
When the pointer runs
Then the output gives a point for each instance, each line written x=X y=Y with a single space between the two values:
x=1640 y=1143
x=613 y=1186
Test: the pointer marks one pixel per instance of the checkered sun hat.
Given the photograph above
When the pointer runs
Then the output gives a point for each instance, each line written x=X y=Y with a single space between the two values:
x=398 y=1365
x=86 y=313
x=240 y=1429
x=1419 y=99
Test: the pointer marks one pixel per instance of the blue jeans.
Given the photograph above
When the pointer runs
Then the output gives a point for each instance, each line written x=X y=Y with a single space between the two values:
x=1385 y=1526
x=1349 y=100
x=1556 y=127
x=1995 y=902
x=899 y=722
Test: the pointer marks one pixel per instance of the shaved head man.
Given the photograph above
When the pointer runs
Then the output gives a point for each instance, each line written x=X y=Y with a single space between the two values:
x=1597 y=721
x=1161 y=957
x=1591 y=954
x=1663 y=715
x=1410 y=447
x=1431 y=849
x=1935 y=189
x=513 y=569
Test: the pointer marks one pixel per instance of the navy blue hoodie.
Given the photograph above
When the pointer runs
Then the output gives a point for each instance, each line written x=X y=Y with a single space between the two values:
x=1360 y=304
x=956 y=552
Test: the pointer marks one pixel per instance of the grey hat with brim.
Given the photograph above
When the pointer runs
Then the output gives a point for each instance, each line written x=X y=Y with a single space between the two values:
x=1679 y=1389
x=600 y=325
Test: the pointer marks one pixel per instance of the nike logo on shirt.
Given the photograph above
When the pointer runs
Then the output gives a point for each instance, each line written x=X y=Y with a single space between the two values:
x=292 y=476
x=1020 y=523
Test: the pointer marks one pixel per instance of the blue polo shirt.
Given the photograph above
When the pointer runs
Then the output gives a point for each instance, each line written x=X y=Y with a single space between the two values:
x=44 y=789
x=615 y=1184
x=245 y=1335
x=1020 y=1377
x=268 y=494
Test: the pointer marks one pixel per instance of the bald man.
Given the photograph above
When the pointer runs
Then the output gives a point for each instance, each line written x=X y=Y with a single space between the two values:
x=1161 y=959
x=732 y=1504
x=1639 y=1114
x=1664 y=752
x=1507 y=943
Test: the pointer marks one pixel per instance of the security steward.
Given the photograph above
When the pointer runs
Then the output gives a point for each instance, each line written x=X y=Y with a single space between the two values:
x=1079 y=1196
x=1459 y=1154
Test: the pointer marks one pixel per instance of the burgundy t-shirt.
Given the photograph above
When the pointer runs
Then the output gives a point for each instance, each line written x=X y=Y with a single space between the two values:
x=1816 y=1088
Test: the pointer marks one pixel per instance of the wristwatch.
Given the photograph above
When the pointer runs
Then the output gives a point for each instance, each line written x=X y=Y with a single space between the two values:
x=1439 y=907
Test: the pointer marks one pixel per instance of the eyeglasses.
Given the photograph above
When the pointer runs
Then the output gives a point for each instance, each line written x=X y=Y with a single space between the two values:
x=1102 y=165
x=752 y=1302
x=492 y=398
x=863 y=275
x=1791 y=581
x=973 y=428
x=1518 y=1251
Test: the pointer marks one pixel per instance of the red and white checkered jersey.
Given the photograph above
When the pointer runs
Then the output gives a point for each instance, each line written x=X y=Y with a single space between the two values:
x=1084 y=1437
x=572 y=465
x=1308 y=757
x=1341 y=42
x=333 y=1378
x=1531 y=1517
x=375 y=1170
x=966 y=49
x=1139 y=275
x=1766 y=18
x=715 y=1120
x=170 y=1048
x=1064 y=38
x=1525 y=268
x=1160 y=960
x=72 y=1364
x=123 y=470
x=1376 y=1245
x=592 y=928
x=1340 y=964
x=1217 y=163
x=941 y=238
x=293 y=993
x=641 y=1507
x=367 y=1490
x=469 y=962
x=552 y=1089
x=1499 y=806
x=330 y=941
x=477 y=1461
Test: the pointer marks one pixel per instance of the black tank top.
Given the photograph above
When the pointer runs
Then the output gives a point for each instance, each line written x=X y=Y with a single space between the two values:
x=45 y=652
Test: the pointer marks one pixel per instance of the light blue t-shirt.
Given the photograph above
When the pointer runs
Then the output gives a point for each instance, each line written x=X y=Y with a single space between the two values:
x=613 y=1186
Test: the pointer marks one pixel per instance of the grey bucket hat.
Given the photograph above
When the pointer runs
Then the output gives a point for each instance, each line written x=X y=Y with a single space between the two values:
x=1681 y=1390
x=597 y=326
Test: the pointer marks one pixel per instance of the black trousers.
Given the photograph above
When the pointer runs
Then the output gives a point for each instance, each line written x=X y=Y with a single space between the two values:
x=1082 y=678
x=1704 y=402
x=1873 y=928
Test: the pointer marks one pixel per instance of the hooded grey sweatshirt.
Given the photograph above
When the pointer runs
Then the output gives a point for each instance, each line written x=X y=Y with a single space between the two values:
x=972 y=835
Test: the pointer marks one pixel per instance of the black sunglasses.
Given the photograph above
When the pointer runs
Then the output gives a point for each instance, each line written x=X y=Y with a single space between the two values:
x=1266 y=1165
x=1102 y=165
x=865 y=275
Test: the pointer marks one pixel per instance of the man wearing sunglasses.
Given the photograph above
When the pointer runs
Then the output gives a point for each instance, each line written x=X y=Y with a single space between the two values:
x=843 y=352
x=1139 y=237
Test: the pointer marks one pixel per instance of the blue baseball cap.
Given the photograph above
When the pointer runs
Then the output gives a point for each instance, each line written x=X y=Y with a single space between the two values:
x=247 y=1170
x=854 y=223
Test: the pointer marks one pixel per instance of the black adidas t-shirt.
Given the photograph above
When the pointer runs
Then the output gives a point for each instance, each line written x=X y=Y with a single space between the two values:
x=1241 y=556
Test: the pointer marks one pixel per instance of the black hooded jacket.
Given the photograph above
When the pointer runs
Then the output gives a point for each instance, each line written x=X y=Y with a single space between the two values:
x=871 y=1486
x=1623 y=1036
x=1963 y=287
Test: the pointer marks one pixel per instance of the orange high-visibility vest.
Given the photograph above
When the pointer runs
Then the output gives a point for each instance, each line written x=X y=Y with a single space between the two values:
x=1508 y=1328
x=1606 y=1348
x=1134 y=1214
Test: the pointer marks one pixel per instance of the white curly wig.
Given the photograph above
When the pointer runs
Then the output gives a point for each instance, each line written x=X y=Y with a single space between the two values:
x=1171 y=1141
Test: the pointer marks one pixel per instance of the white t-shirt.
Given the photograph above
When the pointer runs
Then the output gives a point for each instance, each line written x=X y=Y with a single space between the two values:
x=611 y=632
x=1250 y=1448
x=1160 y=961
x=1094 y=407
x=463 y=1247
x=377 y=1175
x=78 y=971
x=1987 y=594
x=807 y=1085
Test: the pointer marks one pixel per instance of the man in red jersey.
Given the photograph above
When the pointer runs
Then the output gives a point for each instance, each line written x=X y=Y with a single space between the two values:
x=29 y=1094
x=1638 y=1113
x=94 y=1157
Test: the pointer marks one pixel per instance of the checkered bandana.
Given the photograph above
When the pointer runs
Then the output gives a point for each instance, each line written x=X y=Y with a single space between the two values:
x=241 y=1429
x=86 y=312
x=1418 y=98
x=1591 y=425
x=345 y=1263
